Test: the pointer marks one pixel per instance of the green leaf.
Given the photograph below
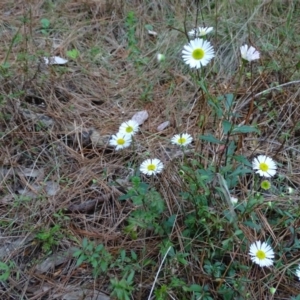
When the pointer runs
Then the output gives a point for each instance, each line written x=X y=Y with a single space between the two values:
x=73 y=54
x=4 y=271
x=99 y=248
x=227 y=126
x=231 y=148
x=229 y=98
x=5 y=65
x=214 y=103
x=138 y=200
x=195 y=288
x=90 y=247
x=125 y=197
x=203 y=86
x=84 y=242
x=252 y=225
x=45 y=23
x=240 y=171
x=80 y=260
x=149 y=27
x=77 y=253
x=133 y=255
x=103 y=265
x=130 y=277
x=210 y=138
x=242 y=159
x=245 y=129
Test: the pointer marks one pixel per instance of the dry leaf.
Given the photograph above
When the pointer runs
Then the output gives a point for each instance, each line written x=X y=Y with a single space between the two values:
x=45 y=120
x=10 y=245
x=51 y=188
x=98 y=140
x=29 y=172
x=140 y=117
x=54 y=260
x=163 y=126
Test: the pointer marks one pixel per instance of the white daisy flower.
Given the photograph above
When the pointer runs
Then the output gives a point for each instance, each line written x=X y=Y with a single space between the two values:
x=249 y=53
x=200 y=31
x=182 y=139
x=151 y=166
x=130 y=127
x=264 y=166
x=193 y=32
x=120 y=140
x=197 y=53
x=204 y=30
x=234 y=200
x=261 y=254
x=298 y=272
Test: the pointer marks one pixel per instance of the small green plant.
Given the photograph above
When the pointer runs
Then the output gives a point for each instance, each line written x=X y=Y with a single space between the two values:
x=199 y=292
x=21 y=200
x=45 y=26
x=60 y=216
x=50 y=238
x=73 y=54
x=130 y=23
x=121 y=289
x=5 y=270
x=150 y=206
x=97 y=256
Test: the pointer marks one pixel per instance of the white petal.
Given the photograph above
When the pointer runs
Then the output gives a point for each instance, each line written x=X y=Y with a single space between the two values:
x=55 y=60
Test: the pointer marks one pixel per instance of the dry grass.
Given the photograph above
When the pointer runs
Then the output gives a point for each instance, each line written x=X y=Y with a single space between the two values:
x=54 y=173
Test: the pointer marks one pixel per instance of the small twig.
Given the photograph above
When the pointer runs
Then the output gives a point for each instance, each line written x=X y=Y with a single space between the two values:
x=155 y=279
x=247 y=100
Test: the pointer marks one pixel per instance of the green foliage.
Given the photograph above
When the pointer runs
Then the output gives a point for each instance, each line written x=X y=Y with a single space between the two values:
x=121 y=289
x=150 y=207
x=5 y=270
x=73 y=54
x=95 y=255
x=60 y=216
x=199 y=292
x=45 y=26
x=131 y=23
x=50 y=238
x=126 y=263
x=162 y=292
x=21 y=200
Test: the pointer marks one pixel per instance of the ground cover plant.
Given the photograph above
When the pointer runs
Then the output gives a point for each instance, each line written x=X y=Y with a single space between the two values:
x=149 y=149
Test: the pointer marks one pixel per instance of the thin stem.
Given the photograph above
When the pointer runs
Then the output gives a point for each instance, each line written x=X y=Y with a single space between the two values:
x=156 y=276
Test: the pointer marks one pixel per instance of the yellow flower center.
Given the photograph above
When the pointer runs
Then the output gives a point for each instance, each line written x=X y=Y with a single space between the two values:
x=198 y=53
x=263 y=167
x=181 y=140
x=129 y=129
x=260 y=254
x=120 y=141
x=151 y=167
